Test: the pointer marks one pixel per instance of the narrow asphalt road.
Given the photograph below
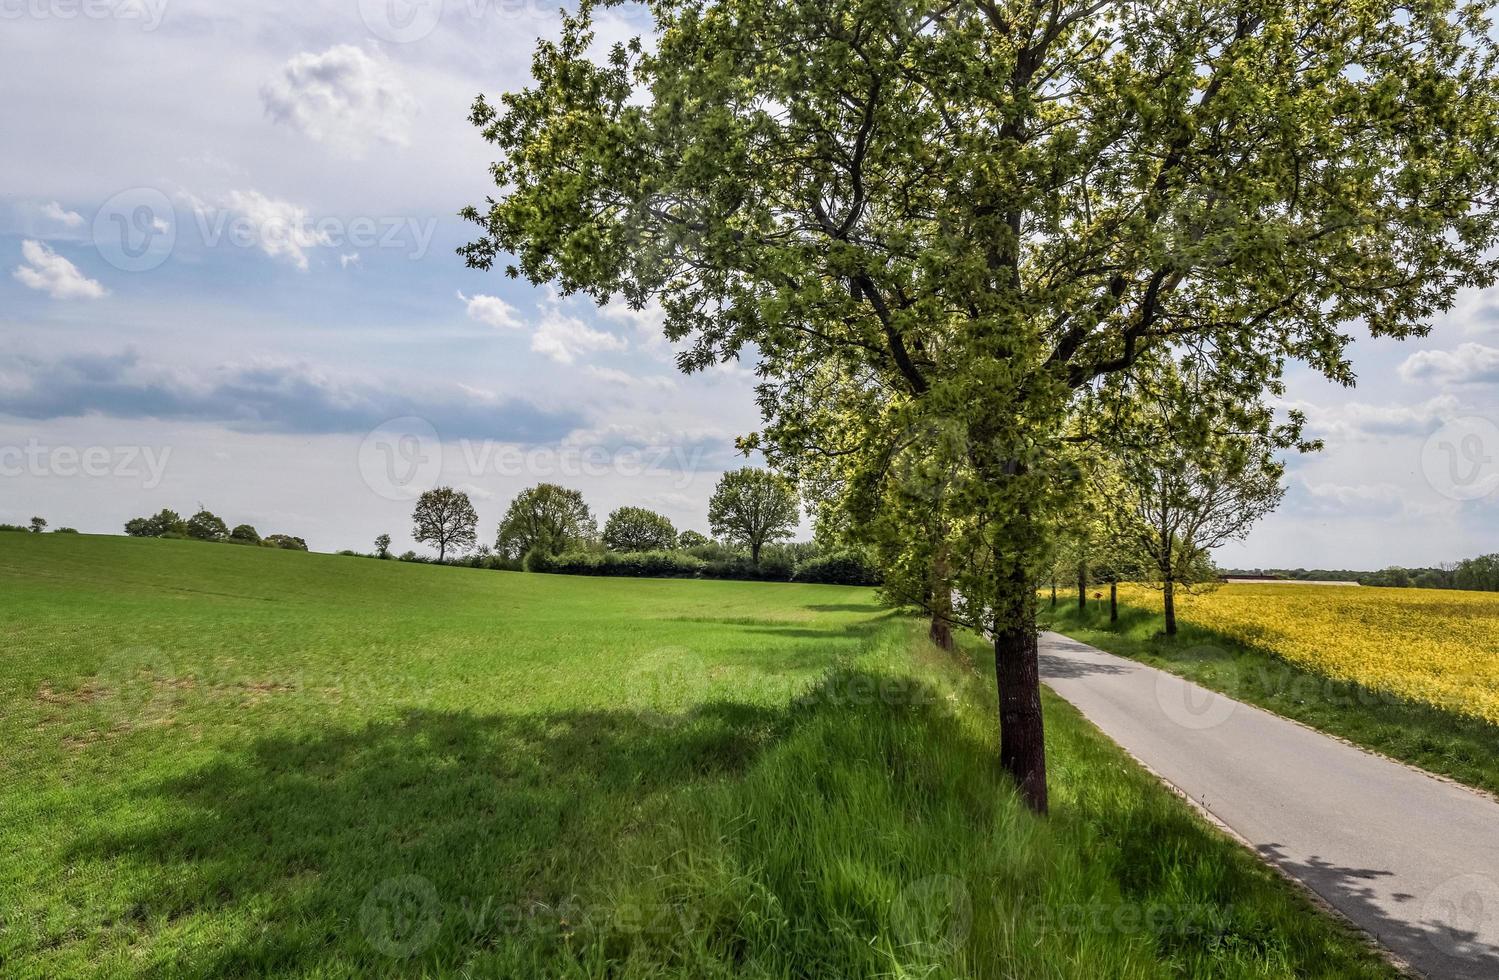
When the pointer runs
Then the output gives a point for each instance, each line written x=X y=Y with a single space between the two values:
x=1412 y=859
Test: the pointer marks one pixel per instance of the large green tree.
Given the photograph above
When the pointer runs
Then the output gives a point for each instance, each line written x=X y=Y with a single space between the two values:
x=753 y=507
x=546 y=518
x=639 y=529
x=979 y=208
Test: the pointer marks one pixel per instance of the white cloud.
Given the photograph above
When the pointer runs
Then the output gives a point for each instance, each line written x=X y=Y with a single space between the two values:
x=280 y=229
x=348 y=259
x=1342 y=500
x=492 y=310
x=56 y=212
x=1360 y=421
x=54 y=275
x=563 y=337
x=344 y=97
x=624 y=379
x=1469 y=364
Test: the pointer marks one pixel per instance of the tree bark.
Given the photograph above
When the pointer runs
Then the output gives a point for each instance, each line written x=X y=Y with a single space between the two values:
x=941 y=603
x=1053 y=591
x=1169 y=594
x=755 y=553
x=1022 y=735
x=1082 y=586
x=1113 y=600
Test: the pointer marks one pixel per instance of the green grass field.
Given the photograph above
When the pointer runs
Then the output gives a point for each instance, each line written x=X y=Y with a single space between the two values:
x=223 y=761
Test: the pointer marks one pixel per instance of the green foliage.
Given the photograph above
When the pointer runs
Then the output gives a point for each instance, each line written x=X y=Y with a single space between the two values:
x=546 y=518
x=753 y=507
x=162 y=523
x=244 y=534
x=38 y=525
x=649 y=564
x=444 y=517
x=382 y=546
x=284 y=541
x=638 y=529
x=692 y=539
x=838 y=568
x=15 y=527
x=64 y=530
x=206 y=526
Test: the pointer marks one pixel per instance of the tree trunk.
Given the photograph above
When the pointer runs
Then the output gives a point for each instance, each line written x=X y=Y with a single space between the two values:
x=755 y=553
x=1113 y=600
x=442 y=551
x=1053 y=591
x=1022 y=735
x=1082 y=586
x=941 y=603
x=1169 y=593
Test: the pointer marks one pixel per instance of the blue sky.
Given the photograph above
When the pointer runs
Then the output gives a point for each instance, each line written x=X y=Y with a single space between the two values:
x=226 y=263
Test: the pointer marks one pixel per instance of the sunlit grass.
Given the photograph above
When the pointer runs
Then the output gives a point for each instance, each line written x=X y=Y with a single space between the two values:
x=222 y=761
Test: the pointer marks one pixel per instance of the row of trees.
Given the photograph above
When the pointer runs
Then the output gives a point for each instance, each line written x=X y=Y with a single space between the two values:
x=206 y=526
x=37 y=526
x=749 y=508
x=1001 y=261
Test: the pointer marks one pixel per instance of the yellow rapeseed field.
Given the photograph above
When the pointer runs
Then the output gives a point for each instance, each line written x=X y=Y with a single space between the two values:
x=1431 y=645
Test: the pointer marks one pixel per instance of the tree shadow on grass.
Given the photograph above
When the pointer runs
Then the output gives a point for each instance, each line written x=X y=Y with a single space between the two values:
x=313 y=848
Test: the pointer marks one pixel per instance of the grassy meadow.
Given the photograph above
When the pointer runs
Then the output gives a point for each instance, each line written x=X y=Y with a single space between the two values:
x=221 y=761
x=1411 y=673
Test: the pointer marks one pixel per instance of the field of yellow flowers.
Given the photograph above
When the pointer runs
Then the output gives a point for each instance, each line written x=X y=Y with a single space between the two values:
x=1431 y=645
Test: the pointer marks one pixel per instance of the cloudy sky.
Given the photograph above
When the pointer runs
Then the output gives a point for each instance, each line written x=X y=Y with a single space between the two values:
x=227 y=278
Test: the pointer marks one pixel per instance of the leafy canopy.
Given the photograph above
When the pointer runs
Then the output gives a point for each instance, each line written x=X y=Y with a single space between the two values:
x=547 y=518
x=639 y=529
x=752 y=507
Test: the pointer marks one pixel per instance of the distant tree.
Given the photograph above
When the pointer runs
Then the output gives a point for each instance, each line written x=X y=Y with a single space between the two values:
x=286 y=541
x=751 y=507
x=638 y=529
x=38 y=525
x=546 y=518
x=162 y=522
x=444 y=517
x=692 y=539
x=382 y=546
x=244 y=534
x=65 y=530
x=206 y=526
x=1196 y=474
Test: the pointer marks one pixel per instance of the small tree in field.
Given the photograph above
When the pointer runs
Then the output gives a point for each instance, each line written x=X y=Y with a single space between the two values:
x=382 y=546
x=244 y=534
x=692 y=539
x=1194 y=473
x=753 y=507
x=207 y=526
x=38 y=525
x=638 y=529
x=444 y=517
x=546 y=518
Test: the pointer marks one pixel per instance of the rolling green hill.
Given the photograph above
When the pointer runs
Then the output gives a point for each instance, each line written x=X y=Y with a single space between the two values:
x=237 y=761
